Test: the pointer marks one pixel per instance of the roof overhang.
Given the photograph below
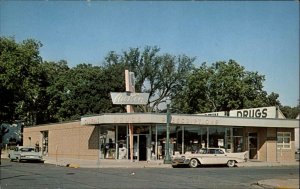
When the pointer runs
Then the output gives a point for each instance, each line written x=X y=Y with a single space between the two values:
x=183 y=119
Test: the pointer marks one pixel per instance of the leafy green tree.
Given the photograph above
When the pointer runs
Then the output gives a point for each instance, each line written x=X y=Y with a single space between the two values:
x=223 y=86
x=55 y=74
x=21 y=80
x=290 y=112
x=84 y=89
x=159 y=75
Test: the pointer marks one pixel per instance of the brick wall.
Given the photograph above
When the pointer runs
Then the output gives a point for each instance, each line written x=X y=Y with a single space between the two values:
x=267 y=144
x=70 y=140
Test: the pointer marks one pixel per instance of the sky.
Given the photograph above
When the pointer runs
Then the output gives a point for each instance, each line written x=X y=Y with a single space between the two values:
x=262 y=36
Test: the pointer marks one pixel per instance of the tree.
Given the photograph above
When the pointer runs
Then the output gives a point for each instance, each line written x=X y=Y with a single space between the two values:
x=55 y=74
x=223 y=86
x=21 y=81
x=290 y=112
x=84 y=89
x=159 y=75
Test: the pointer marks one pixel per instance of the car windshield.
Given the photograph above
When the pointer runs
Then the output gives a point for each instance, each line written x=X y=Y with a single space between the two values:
x=27 y=150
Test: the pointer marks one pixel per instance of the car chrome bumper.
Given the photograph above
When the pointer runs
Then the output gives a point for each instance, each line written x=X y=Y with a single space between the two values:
x=31 y=158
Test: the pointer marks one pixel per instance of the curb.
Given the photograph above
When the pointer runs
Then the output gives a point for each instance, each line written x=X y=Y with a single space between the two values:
x=279 y=183
x=78 y=165
x=73 y=165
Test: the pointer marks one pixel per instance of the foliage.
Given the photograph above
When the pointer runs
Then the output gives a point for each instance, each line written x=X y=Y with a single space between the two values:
x=21 y=80
x=223 y=86
x=290 y=112
x=37 y=91
x=159 y=75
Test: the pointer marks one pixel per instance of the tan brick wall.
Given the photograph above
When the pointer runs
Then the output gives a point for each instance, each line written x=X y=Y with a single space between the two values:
x=262 y=144
x=287 y=155
x=267 y=144
x=271 y=145
x=69 y=140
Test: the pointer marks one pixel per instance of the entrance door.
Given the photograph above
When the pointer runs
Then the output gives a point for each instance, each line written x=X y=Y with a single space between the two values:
x=140 y=147
x=252 y=145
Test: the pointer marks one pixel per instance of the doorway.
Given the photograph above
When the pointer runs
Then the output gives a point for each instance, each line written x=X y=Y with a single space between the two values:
x=140 y=147
x=252 y=145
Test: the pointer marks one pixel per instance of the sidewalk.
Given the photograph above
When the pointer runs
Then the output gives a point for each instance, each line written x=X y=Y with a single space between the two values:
x=279 y=183
x=112 y=163
x=267 y=164
x=105 y=163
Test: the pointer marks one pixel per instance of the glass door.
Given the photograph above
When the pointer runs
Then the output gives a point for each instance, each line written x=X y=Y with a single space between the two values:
x=252 y=145
x=140 y=147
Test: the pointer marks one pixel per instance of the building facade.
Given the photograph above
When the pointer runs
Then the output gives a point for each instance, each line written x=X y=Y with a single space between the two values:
x=107 y=136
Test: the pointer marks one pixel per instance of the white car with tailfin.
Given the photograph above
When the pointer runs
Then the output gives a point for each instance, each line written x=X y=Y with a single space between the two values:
x=209 y=156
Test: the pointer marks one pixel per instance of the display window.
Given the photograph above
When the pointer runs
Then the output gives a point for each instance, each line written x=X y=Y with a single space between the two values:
x=108 y=142
x=195 y=138
x=216 y=137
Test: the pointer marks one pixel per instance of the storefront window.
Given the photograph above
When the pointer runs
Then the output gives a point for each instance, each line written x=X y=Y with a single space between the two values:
x=161 y=141
x=194 y=138
x=153 y=143
x=217 y=137
x=228 y=139
x=122 y=146
x=176 y=139
x=108 y=142
x=45 y=142
x=238 y=140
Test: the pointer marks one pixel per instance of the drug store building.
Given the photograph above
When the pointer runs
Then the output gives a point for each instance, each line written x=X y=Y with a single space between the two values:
x=261 y=131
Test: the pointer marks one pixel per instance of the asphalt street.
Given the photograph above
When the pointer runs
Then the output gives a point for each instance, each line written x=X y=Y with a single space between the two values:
x=15 y=175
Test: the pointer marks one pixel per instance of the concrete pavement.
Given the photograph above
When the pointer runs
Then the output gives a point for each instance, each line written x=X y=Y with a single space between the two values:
x=279 y=183
x=105 y=163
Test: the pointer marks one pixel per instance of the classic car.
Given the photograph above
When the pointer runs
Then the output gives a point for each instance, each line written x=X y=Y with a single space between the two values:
x=206 y=156
x=21 y=153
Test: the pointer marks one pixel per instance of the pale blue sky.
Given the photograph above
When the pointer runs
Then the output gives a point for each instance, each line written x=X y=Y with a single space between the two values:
x=262 y=36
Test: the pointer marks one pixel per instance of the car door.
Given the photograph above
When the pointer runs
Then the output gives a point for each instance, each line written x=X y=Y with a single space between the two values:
x=209 y=157
x=220 y=157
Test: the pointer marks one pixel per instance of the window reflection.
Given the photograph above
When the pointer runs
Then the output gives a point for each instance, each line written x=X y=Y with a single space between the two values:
x=195 y=138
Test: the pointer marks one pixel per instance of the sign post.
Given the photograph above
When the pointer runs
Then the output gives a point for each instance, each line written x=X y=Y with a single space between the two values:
x=129 y=85
x=130 y=98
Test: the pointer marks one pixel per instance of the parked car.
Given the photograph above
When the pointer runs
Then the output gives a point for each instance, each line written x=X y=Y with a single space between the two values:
x=208 y=156
x=21 y=153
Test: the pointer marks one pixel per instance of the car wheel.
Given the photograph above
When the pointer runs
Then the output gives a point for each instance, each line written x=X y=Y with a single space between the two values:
x=231 y=163
x=18 y=160
x=174 y=166
x=194 y=163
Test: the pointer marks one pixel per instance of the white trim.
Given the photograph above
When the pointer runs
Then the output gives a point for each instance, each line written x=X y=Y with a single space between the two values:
x=144 y=118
